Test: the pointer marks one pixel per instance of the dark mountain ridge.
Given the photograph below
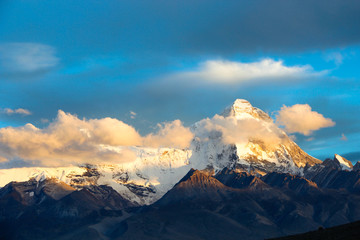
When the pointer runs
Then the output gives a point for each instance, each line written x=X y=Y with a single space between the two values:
x=289 y=204
x=202 y=205
x=350 y=231
x=49 y=209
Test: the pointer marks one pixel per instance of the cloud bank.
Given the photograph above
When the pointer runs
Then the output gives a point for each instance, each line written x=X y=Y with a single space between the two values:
x=299 y=118
x=69 y=140
x=231 y=72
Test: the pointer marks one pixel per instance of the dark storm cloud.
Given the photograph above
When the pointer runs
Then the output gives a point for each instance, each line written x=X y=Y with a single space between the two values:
x=211 y=27
x=278 y=26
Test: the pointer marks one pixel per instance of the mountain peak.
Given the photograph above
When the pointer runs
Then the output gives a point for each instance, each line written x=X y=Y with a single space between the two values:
x=242 y=108
x=338 y=162
x=344 y=163
x=196 y=184
x=239 y=106
x=242 y=104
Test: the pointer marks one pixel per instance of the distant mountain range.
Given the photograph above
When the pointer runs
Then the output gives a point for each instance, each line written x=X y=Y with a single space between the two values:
x=260 y=185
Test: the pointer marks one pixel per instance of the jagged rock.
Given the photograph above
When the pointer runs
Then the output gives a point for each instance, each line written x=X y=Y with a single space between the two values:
x=285 y=180
x=356 y=166
x=239 y=180
x=344 y=163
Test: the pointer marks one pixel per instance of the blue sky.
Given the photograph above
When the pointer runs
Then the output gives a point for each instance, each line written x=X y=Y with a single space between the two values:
x=101 y=59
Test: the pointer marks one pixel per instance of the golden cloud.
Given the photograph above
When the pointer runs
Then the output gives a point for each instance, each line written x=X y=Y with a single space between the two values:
x=70 y=140
x=301 y=119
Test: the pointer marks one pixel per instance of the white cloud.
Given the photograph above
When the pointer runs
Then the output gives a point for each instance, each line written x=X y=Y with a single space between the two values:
x=229 y=72
x=70 y=140
x=132 y=115
x=171 y=134
x=67 y=140
x=20 y=111
x=238 y=131
x=301 y=119
x=26 y=57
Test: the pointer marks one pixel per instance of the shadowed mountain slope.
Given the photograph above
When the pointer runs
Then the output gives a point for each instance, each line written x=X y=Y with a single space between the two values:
x=201 y=207
x=350 y=231
x=49 y=209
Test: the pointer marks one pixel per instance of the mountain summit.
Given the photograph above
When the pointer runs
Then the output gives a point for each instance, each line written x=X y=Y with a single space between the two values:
x=242 y=108
x=344 y=163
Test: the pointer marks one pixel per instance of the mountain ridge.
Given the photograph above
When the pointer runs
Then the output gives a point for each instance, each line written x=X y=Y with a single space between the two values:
x=156 y=170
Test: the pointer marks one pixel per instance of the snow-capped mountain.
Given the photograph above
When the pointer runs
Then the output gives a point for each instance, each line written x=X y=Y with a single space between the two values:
x=258 y=144
x=242 y=138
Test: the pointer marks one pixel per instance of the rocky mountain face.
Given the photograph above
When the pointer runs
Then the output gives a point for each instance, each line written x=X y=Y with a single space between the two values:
x=235 y=179
x=334 y=175
x=241 y=177
x=49 y=208
x=228 y=206
x=356 y=166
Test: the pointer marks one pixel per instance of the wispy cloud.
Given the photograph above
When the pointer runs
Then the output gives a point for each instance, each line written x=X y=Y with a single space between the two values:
x=132 y=115
x=237 y=131
x=299 y=118
x=20 y=111
x=335 y=57
x=232 y=72
x=26 y=57
x=343 y=137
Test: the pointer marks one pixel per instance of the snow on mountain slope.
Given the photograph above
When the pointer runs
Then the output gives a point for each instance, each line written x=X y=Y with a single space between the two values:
x=39 y=174
x=150 y=176
x=243 y=138
x=143 y=181
x=344 y=163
